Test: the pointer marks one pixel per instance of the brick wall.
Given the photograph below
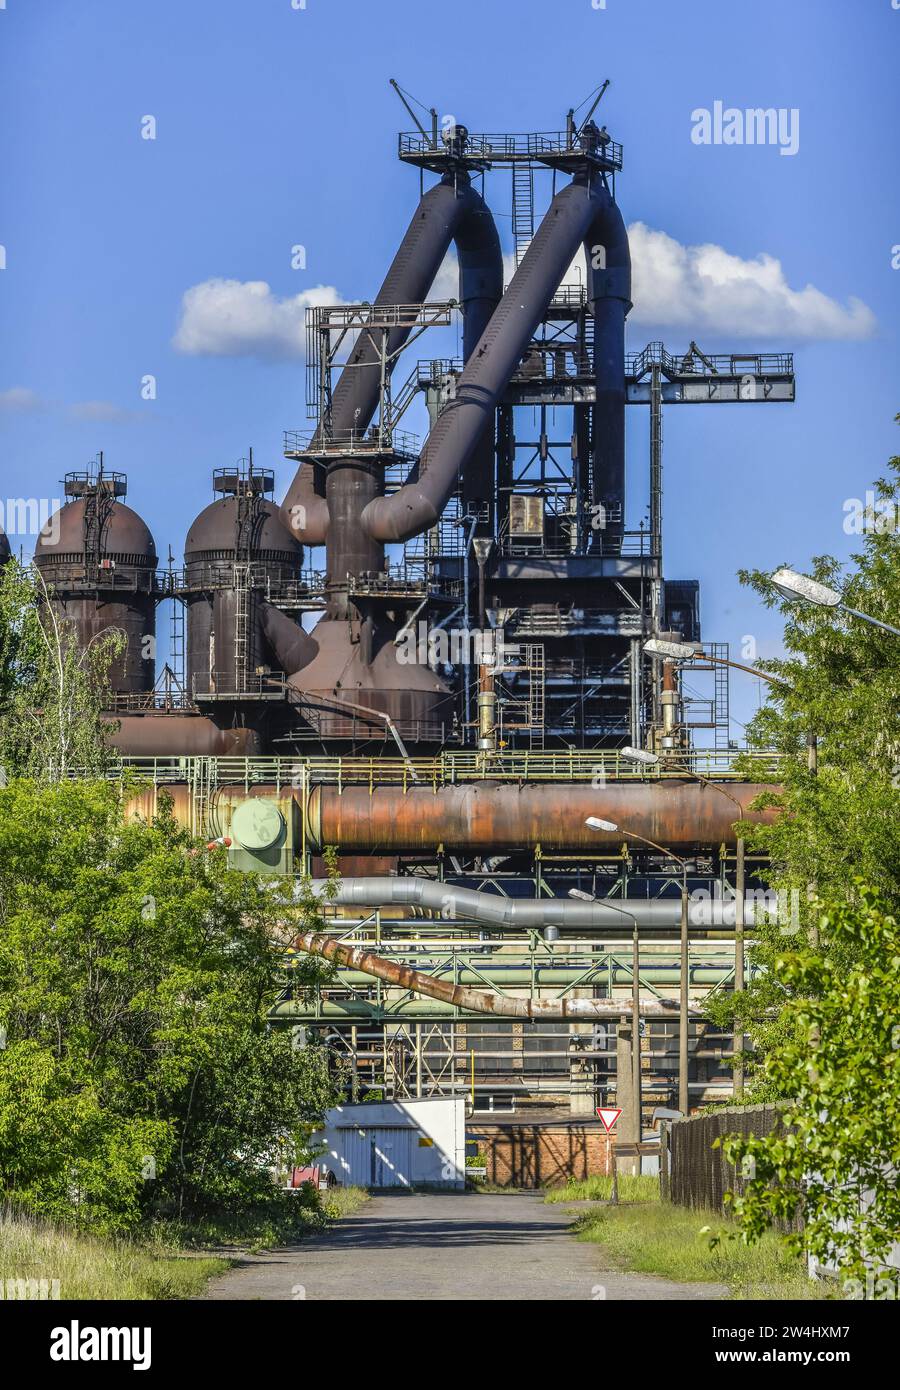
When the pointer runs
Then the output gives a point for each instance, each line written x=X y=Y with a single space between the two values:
x=519 y=1154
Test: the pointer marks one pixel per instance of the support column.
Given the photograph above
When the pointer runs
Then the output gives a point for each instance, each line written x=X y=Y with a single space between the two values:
x=739 y=890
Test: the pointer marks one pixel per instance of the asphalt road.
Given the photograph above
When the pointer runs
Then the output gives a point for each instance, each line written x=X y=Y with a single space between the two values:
x=446 y=1246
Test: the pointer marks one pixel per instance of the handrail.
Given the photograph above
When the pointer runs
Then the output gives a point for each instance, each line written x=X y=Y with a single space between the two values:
x=454 y=766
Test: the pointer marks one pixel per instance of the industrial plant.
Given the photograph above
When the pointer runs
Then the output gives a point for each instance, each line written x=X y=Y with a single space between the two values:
x=460 y=664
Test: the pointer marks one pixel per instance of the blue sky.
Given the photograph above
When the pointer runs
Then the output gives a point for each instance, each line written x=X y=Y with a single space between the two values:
x=276 y=126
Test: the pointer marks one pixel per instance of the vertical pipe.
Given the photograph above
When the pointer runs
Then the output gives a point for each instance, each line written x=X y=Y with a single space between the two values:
x=634 y=677
x=656 y=463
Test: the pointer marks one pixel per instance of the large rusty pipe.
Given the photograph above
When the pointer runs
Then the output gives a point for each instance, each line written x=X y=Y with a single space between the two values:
x=488 y=817
x=462 y=997
x=180 y=735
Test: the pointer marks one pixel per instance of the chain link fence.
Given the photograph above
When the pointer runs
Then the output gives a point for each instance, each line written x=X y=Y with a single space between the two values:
x=693 y=1173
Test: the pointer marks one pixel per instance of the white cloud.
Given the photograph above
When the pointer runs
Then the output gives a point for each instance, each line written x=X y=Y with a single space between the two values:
x=103 y=411
x=706 y=289
x=698 y=290
x=243 y=318
x=19 y=398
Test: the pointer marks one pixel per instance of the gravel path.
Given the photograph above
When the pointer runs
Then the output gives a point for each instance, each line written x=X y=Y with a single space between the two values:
x=446 y=1246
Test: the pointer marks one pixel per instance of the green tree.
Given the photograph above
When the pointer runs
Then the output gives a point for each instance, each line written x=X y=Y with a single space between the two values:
x=835 y=1163
x=838 y=824
x=823 y=1016
x=138 y=1073
x=52 y=694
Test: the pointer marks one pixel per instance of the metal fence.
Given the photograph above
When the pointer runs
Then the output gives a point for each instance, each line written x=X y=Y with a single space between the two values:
x=693 y=1173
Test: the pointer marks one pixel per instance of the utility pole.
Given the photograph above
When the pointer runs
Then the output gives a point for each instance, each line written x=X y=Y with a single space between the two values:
x=683 y=1013
x=738 y=1035
x=636 y=1038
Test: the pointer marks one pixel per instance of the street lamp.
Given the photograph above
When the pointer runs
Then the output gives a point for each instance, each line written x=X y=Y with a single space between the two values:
x=793 y=585
x=693 y=651
x=648 y=759
x=595 y=823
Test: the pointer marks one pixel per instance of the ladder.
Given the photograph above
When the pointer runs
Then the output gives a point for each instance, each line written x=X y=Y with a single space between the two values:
x=176 y=637
x=522 y=209
x=241 y=625
x=721 y=712
x=534 y=660
x=202 y=779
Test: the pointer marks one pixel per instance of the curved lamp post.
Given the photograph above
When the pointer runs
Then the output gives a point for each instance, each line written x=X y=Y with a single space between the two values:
x=793 y=585
x=595 y=823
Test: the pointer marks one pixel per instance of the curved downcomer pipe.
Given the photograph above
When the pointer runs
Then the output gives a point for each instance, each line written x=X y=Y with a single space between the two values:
x=461 y=996
x=294 y=648
x=451 y=902
x=486 y=817
x=583 y=212
x=609 y=298
x=452 y=211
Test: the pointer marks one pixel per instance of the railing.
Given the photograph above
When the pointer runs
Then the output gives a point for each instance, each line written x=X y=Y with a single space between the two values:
x=351 y=442
x=496 y=149
x=150 y=702
x=563 y=360
x=201 y=577
x=222 y=685
x=631 y=544
x=695 y=363
x=445 y=769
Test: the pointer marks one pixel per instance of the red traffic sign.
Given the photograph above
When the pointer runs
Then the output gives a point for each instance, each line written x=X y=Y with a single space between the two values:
x=608 y=1117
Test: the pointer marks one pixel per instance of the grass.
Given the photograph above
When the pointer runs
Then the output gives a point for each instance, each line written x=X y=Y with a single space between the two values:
x=343 y=1201
x=632 y=1188
x=669 y=1241
x=87 y=1267
x=165 y=1264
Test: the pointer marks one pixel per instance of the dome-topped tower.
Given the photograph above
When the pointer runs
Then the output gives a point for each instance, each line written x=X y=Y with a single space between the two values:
x=237 y=551
x=98 y=559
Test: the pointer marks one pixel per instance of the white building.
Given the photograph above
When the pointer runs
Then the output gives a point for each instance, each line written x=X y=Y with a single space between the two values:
x=410 y=1143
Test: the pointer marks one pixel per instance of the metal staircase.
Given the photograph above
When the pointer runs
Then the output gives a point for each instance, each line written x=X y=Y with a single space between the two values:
x=522 y=209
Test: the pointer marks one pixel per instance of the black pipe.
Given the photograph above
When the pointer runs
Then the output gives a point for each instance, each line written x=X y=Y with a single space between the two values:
x=451 y=211
x=609 y=300
x=572 y=216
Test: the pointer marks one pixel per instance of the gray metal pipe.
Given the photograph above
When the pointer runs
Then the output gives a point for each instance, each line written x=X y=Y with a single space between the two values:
x=578 y=208
x=451 y=902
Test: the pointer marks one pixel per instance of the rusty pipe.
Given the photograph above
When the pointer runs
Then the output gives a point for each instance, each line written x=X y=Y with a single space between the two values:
x=489 y=817
x=168 y=735
x=476 y=1001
